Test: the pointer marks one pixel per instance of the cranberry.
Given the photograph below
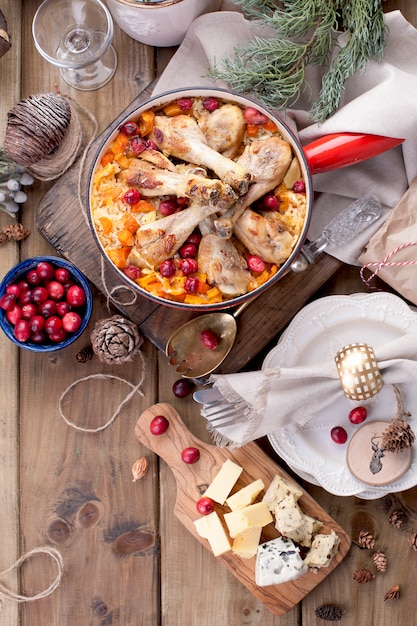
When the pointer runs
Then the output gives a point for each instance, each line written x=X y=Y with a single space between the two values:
x=299 y=186
x=62 y=275
x=53 y=324
x=185 y=104
x=159 y=135
x=270 y=202
x=56 y=290
x=26 y=296
x=358 y=415
x=191 y=284
x=58 y=336
x=132 y=272
x=182 y=387
x=158 y=425
x=14 y=315
x=131 y=196
x=151 y=145
x=167 y=268
x=194 y=238
x=7 y=301
x=168 y=207
x=183 y=203
x=39 y=294
x=188 y=266
x=62 y=307
x=23 y=285
x=13 y=290
x=21 y=330
x=71 y=322
x=211 y=104
x=138 y=145
x=255 y=263
x=48 y=308
x=76 y=296
x=190 y=455
x=338 y=434
x=205 y=506
x=209 y=339
x=128 y=128
x=38 y=337
x=253 y=116
x=188 y=251
x=36 y=323
x=29 y=310
x=33 y=278
x=45 y=270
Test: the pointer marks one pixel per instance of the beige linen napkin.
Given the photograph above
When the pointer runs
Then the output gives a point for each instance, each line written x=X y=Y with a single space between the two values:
x=268 y=399
x=381 y=100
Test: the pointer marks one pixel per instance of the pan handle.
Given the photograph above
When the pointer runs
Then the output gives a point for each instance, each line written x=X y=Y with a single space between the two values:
x=338 y=150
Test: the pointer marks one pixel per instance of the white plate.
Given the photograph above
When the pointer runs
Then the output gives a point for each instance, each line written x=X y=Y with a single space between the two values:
x=316 y=333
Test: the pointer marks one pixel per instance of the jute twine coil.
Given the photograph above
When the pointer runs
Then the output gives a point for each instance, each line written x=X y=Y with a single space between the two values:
x=16 y=597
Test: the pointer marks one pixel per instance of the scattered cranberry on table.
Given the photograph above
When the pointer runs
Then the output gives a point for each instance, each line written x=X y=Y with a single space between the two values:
x=209 y=339
x=338 y=434
x=205 y=506
x=190 y=455
x=159 y=425
x=182 y=387
x=358 y=415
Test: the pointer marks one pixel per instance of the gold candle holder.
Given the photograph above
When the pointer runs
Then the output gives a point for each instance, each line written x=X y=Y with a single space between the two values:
x=358 y=371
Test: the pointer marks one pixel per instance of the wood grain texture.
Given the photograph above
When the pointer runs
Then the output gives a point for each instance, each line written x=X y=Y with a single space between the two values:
x=192 y=481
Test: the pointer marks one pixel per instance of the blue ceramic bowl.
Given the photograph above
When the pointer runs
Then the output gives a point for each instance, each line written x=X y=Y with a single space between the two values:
x=18 y=273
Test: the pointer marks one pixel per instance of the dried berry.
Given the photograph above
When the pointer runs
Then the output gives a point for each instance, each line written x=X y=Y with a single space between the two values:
x=140 y=468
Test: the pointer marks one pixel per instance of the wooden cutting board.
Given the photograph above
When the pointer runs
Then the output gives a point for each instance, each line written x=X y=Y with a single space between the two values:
x=192 y=480
x=62 y=222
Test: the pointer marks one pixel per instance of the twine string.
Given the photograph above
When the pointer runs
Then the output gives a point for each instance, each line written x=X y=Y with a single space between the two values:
x=59 y=562
x=386 y=263
x=134 y=389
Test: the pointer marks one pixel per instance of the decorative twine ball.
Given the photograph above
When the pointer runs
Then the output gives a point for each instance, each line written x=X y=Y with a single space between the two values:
x=115 y=340
x=44 y=134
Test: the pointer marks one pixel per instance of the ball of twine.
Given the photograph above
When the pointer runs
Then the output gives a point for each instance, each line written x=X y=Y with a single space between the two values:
x=45 y=134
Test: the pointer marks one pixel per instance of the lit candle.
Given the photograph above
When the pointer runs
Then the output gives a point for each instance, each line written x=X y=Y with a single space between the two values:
x=358 y=371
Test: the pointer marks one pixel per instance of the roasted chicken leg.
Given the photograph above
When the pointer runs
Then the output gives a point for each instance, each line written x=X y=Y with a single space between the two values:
x=181 y=137
x=224 y=128
x=265 y=235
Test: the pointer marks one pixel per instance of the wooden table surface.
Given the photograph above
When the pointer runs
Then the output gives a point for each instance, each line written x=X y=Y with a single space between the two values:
x=128 y=561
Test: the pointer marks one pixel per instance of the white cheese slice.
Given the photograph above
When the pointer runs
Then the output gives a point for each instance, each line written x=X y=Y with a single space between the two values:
x=278 y=561
x=223 y=482
x=253 y=516
x=246 y=496
x=304 y=534
x=278 y=489
x=288 y=515
x=210 y=527
x=246 y=544
x=323 y=549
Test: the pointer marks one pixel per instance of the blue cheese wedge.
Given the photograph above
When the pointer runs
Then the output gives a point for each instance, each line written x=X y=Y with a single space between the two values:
x=323 y=549
x=305 y=533
x=288 y=515
x=278 y=561
x=278 y=490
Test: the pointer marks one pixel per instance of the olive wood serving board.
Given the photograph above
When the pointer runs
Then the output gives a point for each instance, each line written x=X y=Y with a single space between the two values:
x=63 y=224
x=192 y=480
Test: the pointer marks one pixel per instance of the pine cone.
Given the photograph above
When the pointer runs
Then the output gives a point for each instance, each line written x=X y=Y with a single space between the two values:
x=329 y=612
x=413 y=541
x=380 y=561
x=85 y=354
x=393 y=593
x=366 y=540
x=397 y=518
x=17 y=232
x=363 y=576
x=5 y=38
x=397 y=436
x=115 y=340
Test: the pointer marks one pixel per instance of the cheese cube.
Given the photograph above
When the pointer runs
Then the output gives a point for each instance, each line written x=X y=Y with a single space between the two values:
x=210 y=527
x=223 y=482
x=278 y=489
x=253 y=516
x=288 y=515
x=246 y=544
x=278 y=561
x=246 y=496
x=304 y=534
x=323 y=549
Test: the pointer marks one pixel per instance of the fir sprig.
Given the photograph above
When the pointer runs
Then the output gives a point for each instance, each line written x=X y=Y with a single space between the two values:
x=274 y=69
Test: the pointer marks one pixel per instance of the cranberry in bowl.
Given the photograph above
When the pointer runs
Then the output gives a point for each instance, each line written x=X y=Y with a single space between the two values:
x=45 y=304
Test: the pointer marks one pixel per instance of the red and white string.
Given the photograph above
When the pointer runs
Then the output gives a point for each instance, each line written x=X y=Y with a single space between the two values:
x=386 y=263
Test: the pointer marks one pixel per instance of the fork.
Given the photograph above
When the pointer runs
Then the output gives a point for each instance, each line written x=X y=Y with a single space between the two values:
x=216 y=409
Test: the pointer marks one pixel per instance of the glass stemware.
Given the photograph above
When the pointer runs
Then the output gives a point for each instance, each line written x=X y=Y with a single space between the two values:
x=76 y=36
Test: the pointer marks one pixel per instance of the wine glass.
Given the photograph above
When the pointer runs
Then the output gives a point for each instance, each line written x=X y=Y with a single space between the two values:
x=76 y=36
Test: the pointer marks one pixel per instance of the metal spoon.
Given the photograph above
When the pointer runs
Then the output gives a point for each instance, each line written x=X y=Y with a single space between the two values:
x=186 y=351
x=184 y=347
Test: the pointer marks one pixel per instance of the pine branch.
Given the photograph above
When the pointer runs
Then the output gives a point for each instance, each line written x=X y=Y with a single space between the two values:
x=274 y=68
